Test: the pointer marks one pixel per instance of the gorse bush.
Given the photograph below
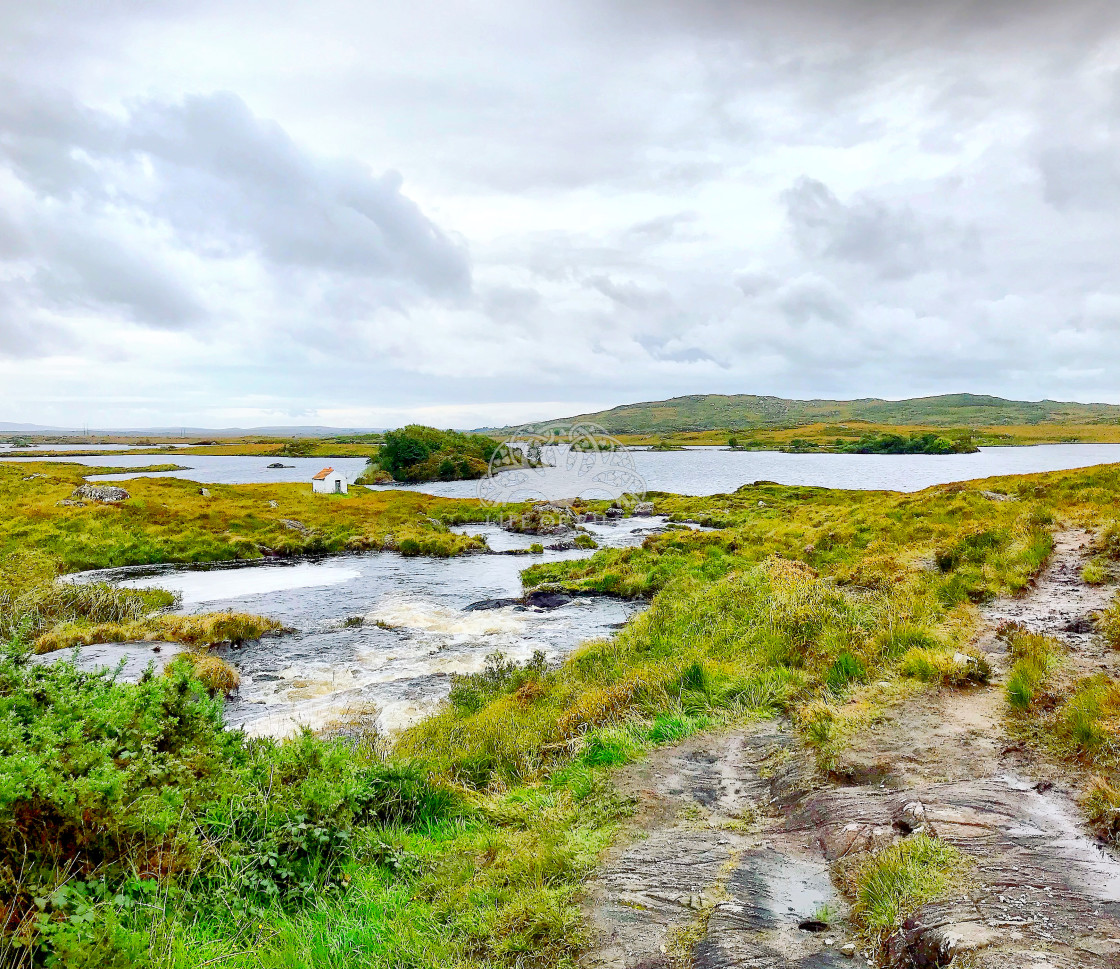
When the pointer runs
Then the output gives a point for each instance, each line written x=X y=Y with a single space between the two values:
x=104 y=783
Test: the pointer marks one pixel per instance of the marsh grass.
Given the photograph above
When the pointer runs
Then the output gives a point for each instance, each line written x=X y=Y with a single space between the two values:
x=893 y=884
x=167 y=520
x=202 y=630
x=214 y=673
x=465 y=841
x=1035 y=659
x=1108 y=623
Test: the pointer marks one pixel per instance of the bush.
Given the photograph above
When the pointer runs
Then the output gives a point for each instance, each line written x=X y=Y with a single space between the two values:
x=418 y=453
x=106 y=787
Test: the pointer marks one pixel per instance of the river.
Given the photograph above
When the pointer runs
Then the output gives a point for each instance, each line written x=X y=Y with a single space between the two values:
x=377 y=636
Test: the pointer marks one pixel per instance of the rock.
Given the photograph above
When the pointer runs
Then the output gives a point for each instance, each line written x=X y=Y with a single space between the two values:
x=613 y=512
x=643 y=509
x=292 y=525
x=70 y=503
x=277 y=464
x=106 y=494
x=997 y=496
x=565 y=545
x=486 y=604
x=274 y=504
x=762 y=504
x=911 y=818
x=32 y=477
x=547 y=600
x=848 y=950
x=936 y=935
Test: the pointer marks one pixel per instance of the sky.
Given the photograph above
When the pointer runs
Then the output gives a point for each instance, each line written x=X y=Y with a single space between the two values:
x=371 y=213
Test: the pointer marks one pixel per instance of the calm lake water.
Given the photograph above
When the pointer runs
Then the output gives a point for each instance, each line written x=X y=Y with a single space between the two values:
x=712 y=471
x=214 y=469
x=694 y=471
x=395 y=667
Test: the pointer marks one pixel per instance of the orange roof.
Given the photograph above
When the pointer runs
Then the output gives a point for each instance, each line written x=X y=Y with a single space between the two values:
x=323 y=474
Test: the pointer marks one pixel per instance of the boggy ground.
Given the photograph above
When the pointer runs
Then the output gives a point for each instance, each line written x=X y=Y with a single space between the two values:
x=737 y=835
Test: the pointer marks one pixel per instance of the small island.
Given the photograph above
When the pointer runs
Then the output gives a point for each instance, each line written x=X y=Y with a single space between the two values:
x=870 y=443
x=416 y=453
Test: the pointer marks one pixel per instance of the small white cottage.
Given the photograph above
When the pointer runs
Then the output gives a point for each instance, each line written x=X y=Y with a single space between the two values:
x=329 y=482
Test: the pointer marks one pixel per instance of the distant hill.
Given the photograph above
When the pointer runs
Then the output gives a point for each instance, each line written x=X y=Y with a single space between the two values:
x=746 y=411
x=315 y=430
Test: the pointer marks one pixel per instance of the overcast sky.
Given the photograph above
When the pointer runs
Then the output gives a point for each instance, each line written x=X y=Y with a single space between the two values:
x=366 y=213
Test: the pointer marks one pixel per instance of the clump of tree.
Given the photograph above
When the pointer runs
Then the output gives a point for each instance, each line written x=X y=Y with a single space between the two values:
x=914 y=444
x=418 y=453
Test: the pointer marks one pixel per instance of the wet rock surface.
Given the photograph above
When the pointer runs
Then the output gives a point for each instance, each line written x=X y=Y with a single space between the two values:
x=735 y=837
x=131 y=659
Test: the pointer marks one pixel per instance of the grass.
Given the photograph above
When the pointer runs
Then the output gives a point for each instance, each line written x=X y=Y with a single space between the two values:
x=212 y=672
x=463 y=842
x=168 y=520
x=1108 y=623
x=203 y=630
x=1035 y=659
x=890 y=886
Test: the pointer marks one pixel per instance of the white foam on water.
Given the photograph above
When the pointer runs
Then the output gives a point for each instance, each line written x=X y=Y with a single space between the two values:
x=422 y=615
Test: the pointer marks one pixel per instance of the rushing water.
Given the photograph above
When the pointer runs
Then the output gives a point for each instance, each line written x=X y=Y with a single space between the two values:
x=694 y=471
x=395 y=666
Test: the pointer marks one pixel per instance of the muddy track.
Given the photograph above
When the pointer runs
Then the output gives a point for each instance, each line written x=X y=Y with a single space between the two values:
x=736 y=838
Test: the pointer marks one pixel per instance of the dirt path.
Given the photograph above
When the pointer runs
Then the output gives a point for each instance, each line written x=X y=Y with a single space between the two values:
x=735 y=839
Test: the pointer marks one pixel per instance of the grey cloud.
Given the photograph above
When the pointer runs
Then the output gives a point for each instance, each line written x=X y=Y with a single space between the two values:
x=204 y=176
x=87 y=268
x=894 y=241
x=1074 y=176
x=810 y=298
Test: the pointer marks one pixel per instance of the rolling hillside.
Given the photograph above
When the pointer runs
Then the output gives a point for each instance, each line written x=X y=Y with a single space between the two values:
x=747 y=411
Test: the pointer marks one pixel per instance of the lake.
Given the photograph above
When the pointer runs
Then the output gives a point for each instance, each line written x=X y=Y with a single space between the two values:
x=693 y=471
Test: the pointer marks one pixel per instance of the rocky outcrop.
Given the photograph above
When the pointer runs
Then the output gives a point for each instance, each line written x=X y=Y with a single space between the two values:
x=104 y=494
x=294 y=526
